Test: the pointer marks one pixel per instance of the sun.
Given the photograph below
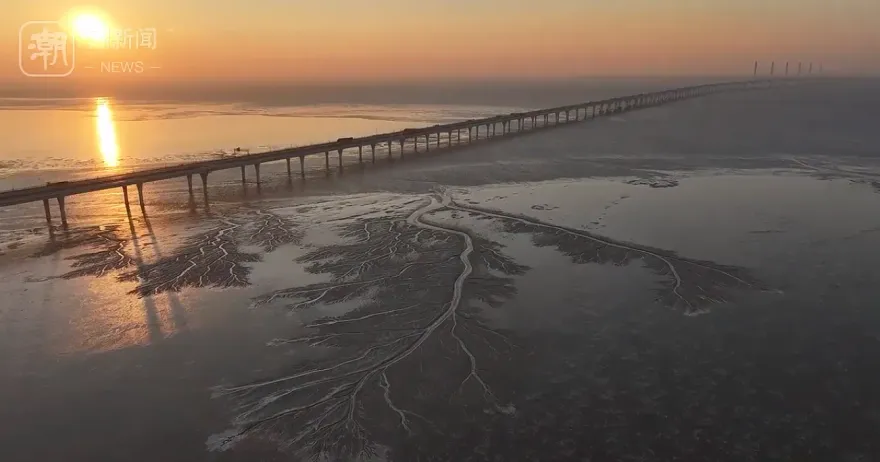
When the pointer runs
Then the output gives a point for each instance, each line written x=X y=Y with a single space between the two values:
x=89 y=26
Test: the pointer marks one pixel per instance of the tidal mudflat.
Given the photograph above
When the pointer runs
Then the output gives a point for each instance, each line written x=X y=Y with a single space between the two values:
x=559 y=320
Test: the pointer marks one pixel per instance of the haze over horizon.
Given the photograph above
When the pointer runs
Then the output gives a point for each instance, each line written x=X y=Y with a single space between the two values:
x=396 y=40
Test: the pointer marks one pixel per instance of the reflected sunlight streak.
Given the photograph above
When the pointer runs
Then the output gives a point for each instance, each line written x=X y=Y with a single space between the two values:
x=106 y=133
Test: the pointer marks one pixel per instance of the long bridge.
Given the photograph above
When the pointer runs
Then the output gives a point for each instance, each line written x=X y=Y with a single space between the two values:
x=486 y=128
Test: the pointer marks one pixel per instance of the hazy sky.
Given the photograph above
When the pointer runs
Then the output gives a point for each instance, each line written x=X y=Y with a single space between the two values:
x=356 y=40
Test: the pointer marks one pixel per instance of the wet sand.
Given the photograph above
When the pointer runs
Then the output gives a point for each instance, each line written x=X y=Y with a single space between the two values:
x=622 y=290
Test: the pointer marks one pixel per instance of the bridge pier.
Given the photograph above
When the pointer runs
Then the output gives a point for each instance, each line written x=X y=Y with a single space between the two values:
x=327 y=161
x=140 y=188
x=63 y=212
x=189 y=187
x=204 y=176
x=339 y=153
x=302 y=167
x=402 y=142
x=125 y=199
x=243 y=178
x=373 y=151
x=48 y=212
x=257 y=172
x=360 y=154
x=289 y=174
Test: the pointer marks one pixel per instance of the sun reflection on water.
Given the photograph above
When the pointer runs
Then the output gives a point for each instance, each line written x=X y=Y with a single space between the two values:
x=106 y=133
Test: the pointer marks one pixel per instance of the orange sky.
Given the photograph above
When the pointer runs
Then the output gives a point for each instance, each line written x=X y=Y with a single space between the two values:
x=357 y=40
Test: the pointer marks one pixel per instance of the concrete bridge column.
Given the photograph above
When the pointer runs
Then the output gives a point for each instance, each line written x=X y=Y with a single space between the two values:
x=449 y=138
x=402 y=142
x=63 y=212
x=327 y=161
x=204 y=176
x=360 y=154
x=289 y=173
x=189 y=185
x=428 y=142
x=339 y=152
x=373 y=151
x=257 y=171
x=125 y=199
x=302 y=167
x=140 y=188
x=242 y=175
x=48 y=212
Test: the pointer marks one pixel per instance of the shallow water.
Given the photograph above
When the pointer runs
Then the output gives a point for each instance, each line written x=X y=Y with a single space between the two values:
x=611 y=304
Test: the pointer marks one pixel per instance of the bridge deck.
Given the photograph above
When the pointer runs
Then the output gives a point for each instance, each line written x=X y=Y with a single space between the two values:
x=60 y=190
